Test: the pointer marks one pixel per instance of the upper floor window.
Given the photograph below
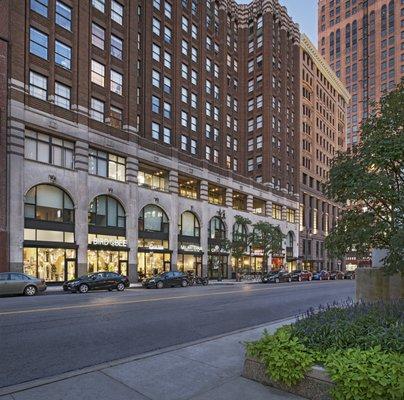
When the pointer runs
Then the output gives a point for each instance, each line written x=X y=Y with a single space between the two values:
x=62 y=95
x=108 y=165
x=276 y=211
x=97 y=73
x=63 y=54
x=116 y=47
x=38 y=43
x=48 y=149
x=188 y=187
x=97 y=109
x=116 y=12
x=40 y=6
x=63 y=15
x=290 y=215
x=97 y=36
x=99 y=5
x=38 y=85
x=152 y=177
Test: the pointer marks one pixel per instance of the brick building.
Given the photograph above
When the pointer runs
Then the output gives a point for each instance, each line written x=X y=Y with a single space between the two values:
x=324 y=101
x=363 y=41
x=138 y=130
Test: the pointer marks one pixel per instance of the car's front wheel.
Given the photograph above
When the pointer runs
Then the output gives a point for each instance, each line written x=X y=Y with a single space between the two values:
x=184 y=283
x=120 y=287
x=30 y=290
x=277 y=280
x=300 y=279
x=83 y=288
x=159 y=285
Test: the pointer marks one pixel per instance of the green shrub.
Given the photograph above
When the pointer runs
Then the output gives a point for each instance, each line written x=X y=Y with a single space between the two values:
x=353 y=326
x=366 y=374
x=285 y=358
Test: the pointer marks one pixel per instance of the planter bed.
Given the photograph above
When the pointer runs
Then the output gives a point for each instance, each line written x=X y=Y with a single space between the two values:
x=341 y=351
x=316 y=384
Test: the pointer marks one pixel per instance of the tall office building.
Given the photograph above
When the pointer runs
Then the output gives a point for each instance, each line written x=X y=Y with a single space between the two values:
x=138 y=129
x=363 y=41
x=324 y=101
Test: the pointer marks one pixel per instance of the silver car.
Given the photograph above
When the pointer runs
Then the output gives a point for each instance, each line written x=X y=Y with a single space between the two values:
x=17 y=283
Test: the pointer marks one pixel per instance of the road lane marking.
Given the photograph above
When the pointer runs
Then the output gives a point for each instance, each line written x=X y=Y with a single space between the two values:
x=78 y=306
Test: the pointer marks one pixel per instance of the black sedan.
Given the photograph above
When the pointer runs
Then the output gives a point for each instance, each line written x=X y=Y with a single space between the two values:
x=276 y=277
x=97 y=281
x=166 y=279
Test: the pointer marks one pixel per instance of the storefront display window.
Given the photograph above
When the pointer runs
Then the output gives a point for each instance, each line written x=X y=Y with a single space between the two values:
x=52 y=265
x=49 y=251
x=154 y=255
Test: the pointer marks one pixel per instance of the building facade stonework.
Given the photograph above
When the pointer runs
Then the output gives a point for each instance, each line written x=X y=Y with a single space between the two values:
x=324 y=101
x=363 y=41
x=138 y=130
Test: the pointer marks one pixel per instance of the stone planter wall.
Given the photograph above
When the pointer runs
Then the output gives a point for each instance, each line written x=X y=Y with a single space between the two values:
x=373 y=285
x=316 y=385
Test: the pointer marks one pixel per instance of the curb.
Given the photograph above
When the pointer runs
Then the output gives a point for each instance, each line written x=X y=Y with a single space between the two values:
x=7 y=390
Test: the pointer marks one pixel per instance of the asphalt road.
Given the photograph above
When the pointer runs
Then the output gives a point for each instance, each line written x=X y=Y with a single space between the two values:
x=48 y=335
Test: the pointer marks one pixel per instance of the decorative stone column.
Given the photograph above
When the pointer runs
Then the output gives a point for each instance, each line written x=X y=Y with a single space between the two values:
x=82 y=203
x=173 y=238
x=229 y=197
x=250 y=203
x=203 y=190
x=268 y=209
x=132 y=168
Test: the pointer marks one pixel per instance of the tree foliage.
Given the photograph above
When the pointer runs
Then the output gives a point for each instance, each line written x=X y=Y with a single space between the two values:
x=369 y=179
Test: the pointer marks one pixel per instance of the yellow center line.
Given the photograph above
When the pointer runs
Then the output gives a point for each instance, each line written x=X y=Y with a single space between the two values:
x=113 y=303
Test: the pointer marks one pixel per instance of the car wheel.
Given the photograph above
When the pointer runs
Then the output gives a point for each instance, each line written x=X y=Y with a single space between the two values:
x=184 y=283
x=328 y=278
x=159 y=285
x=299 y=279
x=310 y=278
x=289 y=280
x=30 y=290
x=120 y=287
x=83 y=288
x=277 y=280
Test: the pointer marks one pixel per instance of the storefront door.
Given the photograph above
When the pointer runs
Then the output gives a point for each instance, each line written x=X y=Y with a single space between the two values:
x=70 y=269
x=123 y=267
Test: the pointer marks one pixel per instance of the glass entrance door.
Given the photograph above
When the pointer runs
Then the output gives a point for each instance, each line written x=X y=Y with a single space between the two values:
x=123 y=267
x=70 y=269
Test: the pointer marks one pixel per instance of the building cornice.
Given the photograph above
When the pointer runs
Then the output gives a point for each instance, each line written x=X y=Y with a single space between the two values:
x=324 y=67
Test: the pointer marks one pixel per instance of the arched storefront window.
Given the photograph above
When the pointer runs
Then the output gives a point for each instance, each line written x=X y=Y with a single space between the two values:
x=189 y=247
x=154 y=255
x=48 y=203
x=218 y=253
x=217 y=229
x=49 y=246
x=240 y=231
x=105 y=211
x=107 y=245
x=153 y=219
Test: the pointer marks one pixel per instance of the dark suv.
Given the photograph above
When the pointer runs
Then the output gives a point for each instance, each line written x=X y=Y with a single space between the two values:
x=97 y=281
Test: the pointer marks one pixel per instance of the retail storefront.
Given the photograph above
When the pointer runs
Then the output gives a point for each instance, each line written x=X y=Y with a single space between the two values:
x=218 y=253
x=190 y=253
x=107 y=245
x=154 y=255
x=278 y=261
x=256 y=261
x=49 y=250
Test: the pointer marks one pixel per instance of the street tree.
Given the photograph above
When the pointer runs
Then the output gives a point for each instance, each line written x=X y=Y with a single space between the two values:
x=239 y=241
x=267 y=237
x=369 y=180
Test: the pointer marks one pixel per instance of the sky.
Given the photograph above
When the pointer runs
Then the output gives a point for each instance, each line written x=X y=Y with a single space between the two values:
x=304 y=12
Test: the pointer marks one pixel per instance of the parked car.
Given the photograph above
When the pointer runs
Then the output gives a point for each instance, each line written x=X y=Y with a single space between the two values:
x=166 y=279
x=17 y=283
x=322 y=275
x=276 y=277
x=349 y=275
x=301 y=275
x=336 y=275
x=97 y=281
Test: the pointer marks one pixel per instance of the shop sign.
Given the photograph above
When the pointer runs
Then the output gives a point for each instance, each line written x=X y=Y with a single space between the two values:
x=191 y=247
x=155 y=247
x=258 y=253
x=110 y=242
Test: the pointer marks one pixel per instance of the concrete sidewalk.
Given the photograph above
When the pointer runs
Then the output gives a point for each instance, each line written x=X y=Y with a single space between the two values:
x=207 y=370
